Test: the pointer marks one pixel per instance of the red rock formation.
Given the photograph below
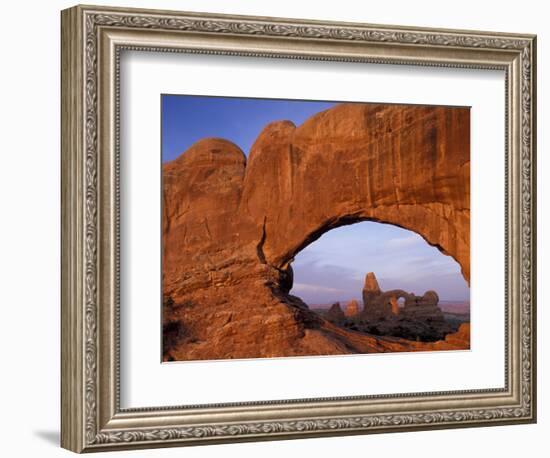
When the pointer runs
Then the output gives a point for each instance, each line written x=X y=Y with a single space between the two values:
x=352 y=309
x=460 y=338
x=232 y=228
x=371 y=284
x=381 y=305
x=371 y=289
x=394 y=306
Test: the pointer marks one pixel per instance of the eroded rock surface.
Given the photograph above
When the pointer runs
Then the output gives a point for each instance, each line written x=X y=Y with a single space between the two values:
x=232 y=227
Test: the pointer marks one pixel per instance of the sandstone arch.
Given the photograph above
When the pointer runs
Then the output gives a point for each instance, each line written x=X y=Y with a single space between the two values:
x=234 y=225
x=398 y=164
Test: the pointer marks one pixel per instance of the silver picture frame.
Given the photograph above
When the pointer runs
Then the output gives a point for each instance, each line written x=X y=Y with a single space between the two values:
x=92 y=41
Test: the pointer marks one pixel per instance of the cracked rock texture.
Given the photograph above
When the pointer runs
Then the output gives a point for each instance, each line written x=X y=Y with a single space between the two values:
x=232 y=227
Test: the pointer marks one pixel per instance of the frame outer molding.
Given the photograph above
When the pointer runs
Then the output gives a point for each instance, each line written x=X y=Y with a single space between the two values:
x=72 y=244
x=91 y=39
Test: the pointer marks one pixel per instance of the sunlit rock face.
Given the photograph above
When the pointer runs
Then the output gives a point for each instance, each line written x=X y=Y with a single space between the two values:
x=352 y=309
x=231 y=227
x=371 y=289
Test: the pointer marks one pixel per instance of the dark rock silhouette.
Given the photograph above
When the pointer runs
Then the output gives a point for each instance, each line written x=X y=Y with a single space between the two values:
x=335 y=314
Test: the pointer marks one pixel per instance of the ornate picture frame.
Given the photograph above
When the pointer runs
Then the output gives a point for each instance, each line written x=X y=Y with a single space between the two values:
x=92 y=41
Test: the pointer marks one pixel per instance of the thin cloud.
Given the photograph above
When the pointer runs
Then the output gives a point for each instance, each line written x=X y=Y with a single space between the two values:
x=403 y=242
x=304 y=287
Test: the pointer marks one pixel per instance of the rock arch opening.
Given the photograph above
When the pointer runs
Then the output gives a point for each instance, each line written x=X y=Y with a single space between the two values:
x=334 y=266
x=379 y=279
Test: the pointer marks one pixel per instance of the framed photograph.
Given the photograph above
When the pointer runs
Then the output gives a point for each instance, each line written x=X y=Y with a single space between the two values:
x=278 y=228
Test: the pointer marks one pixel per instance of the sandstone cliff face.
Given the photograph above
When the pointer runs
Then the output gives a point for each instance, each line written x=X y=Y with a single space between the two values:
x=231 y=228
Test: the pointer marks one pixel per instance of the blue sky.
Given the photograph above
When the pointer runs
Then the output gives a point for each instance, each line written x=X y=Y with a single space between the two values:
x=333 y=267
x=187 y=119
